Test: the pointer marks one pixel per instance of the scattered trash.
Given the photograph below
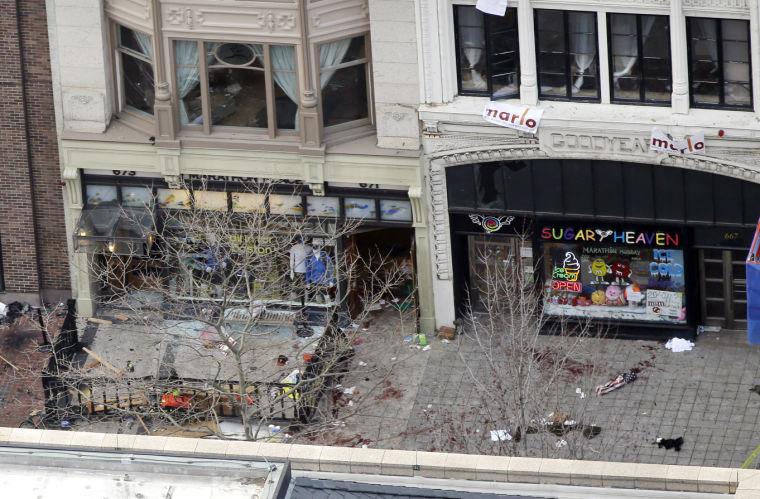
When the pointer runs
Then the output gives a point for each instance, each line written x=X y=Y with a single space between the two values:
x=95 y=320
x=349 y=391
x=500 y=436
x=408 y=339
x=679 y=345
x=445 y=341
x=362 y=363
x=580 y=392
x=707 y=329
x=130 y=367
x=426 y=348
x=560 y=444
x=422 y=340
x=3 y=307
x=756 y=389
x=613 y=384
x=121 y=317
x=430 y=406
x=446 y=333
x=590 y=431
x=365 y=446
x=393 y=359
x=65 y=424
x=350 y=402
x=670 y=443
x=281 y=360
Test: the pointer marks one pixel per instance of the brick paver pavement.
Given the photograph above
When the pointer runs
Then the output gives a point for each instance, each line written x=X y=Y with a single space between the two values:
x=703 y=395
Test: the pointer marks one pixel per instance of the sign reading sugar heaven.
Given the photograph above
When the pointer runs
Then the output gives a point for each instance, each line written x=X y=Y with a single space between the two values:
x=662 y=141
x=523 y=118
x=493 y=7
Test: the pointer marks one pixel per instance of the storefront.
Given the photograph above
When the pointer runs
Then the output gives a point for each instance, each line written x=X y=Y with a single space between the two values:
x=127 y=215
x=646 y=248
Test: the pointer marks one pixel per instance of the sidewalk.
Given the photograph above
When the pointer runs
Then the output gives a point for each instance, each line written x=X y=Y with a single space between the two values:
x=703 y=395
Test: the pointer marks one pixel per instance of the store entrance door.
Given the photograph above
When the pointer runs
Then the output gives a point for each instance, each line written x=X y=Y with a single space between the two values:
x=723 y=288
x=487 y=255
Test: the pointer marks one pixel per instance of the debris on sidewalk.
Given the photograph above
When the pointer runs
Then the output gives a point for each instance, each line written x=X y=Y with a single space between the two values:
x=560 y=444
x=500 y=436
x=670 y=443
x=95 y=320
x=679 y=345
x=756 y=389
x=613 y=384
x=580 y=393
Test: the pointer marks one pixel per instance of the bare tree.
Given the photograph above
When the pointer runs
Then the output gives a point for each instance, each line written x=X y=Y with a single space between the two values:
x=532 y=375
x=210 y=320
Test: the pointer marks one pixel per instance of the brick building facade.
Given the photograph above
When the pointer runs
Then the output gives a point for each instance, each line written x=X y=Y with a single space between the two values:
x=32 y=230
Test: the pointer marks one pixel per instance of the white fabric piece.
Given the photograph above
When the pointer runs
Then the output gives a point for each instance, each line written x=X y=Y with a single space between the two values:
x=630 y=44
x=493 y=7
x=331 y=54
x=679 y=345
x=283 y=60
x=299 y=253
x=583 y=44
x=500 y=436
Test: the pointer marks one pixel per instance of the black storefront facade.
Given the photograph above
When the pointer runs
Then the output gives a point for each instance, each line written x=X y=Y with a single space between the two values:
x=651 y=250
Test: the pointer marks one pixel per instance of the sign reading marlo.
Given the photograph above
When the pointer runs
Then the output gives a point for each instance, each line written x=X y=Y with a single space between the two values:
x=664 y=142
x=523 y=118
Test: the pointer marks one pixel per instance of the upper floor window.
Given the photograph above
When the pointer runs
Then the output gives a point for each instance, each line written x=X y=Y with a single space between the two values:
x=719 y=62
x=640 y=58
x=235 y=84
x=488 y=55
x=344 y=81
x=567 y=54
x=135 y=67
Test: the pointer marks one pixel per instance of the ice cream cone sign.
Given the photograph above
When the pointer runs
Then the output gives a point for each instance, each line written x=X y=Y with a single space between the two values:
x=572 y=267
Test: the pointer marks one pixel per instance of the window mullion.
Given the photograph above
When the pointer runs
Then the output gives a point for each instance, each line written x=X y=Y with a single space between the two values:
x=269 y=89
x=568 y=55
x=487 y=36
x=205 y=97
x=721 y=68
x=640 y=55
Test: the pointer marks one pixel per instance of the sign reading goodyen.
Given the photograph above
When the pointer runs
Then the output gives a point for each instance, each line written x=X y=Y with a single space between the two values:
x=662 y=141
x=523 y=118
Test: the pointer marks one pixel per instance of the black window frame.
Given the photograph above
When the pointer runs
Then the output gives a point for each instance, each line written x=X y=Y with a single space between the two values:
x=568 y=85
x=488 y=46
x=721 y=79
x=642 y=100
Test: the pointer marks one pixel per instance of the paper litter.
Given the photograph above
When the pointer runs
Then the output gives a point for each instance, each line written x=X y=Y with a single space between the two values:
x=679 y=345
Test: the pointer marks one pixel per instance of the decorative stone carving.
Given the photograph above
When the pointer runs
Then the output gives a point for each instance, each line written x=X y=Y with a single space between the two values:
x=276 y=21
x=184 y=16
x=716 y=4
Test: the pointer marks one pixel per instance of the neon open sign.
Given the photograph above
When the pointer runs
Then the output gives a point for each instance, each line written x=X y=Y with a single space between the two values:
x=572 y=287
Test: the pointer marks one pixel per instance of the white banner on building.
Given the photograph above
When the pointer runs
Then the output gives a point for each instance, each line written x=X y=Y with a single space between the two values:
x=494 y=7
x=662 y=141
x=523 y=118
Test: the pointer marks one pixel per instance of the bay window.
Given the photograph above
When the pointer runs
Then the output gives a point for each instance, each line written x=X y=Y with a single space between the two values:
x=344 y=81
x=640 y=67
x=719 y=62
x=235 y=84
x=567 y=55
x=134 y=52
x=487 y=51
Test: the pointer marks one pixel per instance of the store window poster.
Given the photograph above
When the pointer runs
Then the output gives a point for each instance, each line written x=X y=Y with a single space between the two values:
x=359 y=208
x=615 y=282
x=397 y=210
x=322 y=206
x=175 y=199
x=285 y=205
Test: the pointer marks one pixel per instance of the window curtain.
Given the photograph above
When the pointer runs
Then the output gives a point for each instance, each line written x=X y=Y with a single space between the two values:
x=627 y=48
x=143 y=41
x=331 y=54
x=188 y=73
x=472 y=40
x=283 y=61
x=583 y=43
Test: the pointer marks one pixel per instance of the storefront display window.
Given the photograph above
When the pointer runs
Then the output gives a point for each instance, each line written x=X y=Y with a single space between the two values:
x=322 y=206
x=629 y=274
x=285 y=205
x=210 y=200
x=136 y=197
x=245 y=202
x=360 y=208
x=175 y=199
x=101 y=194
x=395 y=210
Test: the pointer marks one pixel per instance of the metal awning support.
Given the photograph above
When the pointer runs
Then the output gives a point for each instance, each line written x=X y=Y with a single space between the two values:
x=115 y=230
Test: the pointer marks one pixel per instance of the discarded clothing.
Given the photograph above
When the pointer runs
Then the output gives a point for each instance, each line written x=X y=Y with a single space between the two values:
x=613 y=384
x=679 y=345
x=670 y=443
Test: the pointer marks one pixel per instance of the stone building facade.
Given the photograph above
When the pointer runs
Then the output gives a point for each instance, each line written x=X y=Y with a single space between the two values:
x=305 y=92
x=608 y=77
x=32 y=230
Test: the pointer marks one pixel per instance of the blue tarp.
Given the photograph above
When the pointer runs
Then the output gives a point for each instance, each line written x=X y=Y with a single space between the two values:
x=753 y=290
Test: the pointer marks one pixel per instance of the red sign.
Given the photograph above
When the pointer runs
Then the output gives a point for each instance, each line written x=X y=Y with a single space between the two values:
x=573 y=287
